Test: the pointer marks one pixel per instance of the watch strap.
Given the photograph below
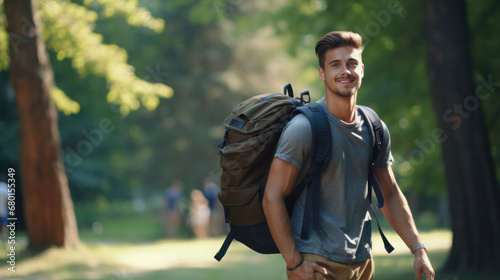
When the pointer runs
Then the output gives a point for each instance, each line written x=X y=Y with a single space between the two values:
x=417 y=246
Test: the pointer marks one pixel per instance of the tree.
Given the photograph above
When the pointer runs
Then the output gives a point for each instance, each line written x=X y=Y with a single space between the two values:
x=68 y=30
x=50 y=219
x=472 y=185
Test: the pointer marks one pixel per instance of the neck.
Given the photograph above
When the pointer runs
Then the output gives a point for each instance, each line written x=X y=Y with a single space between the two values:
x=343 y=108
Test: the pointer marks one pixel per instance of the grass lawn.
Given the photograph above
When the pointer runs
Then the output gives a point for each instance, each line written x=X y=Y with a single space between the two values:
x=192 y=259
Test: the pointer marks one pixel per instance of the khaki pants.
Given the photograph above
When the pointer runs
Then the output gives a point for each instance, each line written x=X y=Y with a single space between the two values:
x=364 y=270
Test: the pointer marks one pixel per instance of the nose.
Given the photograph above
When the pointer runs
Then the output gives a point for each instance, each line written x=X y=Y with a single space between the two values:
x=344 y=71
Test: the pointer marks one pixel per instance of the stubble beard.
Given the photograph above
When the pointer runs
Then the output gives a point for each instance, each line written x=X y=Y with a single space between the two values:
x=343 y=92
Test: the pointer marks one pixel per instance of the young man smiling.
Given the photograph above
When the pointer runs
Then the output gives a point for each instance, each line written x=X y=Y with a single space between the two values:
x=341 y=249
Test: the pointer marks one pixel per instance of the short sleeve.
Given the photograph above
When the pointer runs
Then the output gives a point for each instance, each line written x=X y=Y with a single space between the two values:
x=384 y=158
x=295 y=142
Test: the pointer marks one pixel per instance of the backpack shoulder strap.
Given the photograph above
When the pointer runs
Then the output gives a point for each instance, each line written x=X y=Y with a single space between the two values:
x=375 y=126
x=320 y=148
x=321 y=135
x=376 y=137
x=319 y=158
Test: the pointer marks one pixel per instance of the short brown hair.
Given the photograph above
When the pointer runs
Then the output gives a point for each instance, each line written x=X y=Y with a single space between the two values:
x=336 y=39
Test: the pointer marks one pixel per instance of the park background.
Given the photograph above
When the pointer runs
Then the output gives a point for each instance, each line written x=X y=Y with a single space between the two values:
x=142 y=89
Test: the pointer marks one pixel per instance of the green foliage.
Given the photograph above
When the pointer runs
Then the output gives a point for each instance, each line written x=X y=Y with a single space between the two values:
x=148 y=149
x=69 y=33
x=136 y=16
x=86 y=68
x=65 y=104
x=4 y=40
x=68 y=30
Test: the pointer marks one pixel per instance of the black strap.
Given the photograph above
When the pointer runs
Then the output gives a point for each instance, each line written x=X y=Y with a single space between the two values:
x=320 y=158
x=288 y=90
x=388 y=247
x=224 y=247
x=222 y=144
x=306 y=220
x=373 y=184
x=375 y=126
x=315 y=186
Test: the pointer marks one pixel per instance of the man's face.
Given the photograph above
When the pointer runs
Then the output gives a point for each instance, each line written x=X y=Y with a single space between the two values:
x=343 y=71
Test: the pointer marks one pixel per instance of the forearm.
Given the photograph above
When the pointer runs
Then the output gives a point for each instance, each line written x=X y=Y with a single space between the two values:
x=281 y=181
x=280 y=227
x=398 y=214
x=396 y=209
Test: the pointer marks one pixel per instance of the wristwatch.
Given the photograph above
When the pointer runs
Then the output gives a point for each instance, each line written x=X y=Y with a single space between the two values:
x=417 y=246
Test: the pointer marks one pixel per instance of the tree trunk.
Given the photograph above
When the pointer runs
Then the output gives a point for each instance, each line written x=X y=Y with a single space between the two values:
x=473 y=190
x=49 y=215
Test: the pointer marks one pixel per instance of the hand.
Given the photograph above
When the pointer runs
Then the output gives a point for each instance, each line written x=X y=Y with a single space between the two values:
x=306 y=271
x=423 y=266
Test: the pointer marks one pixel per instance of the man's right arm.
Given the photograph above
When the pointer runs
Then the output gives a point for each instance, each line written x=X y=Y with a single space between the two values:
x=281 y=180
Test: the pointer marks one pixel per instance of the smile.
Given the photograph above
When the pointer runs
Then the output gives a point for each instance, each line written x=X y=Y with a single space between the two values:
x=344 y=81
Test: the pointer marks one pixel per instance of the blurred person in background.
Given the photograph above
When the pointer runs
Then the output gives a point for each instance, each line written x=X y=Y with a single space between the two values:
x=171 y=210
x=199 y=214
x=216 y=222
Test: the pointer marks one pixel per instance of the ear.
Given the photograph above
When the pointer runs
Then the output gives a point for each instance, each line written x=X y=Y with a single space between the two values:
x=362 y=70
x=321 y=74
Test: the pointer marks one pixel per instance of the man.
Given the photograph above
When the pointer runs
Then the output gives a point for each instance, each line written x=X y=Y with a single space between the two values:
x=342 y=248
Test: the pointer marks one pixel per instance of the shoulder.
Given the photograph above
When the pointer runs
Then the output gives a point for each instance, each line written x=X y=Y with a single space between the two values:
x=382 y=155
x=295 y=141
x=385 y=130
x=374 y=118
x=297 y=129
x=299 y=121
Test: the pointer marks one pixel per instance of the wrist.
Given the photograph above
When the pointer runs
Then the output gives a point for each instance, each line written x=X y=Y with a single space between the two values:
x=297 y=265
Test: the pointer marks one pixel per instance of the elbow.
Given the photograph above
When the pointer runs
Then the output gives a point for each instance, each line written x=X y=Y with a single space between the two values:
x=390 y=193
x=390 y=197
x=267 y=201
x=270 y=199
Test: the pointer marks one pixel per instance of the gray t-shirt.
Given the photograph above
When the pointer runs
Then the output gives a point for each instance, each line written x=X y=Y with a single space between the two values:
x=345 y=234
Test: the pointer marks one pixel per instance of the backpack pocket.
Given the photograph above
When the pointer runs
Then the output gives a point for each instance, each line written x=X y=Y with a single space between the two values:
x=243 y=205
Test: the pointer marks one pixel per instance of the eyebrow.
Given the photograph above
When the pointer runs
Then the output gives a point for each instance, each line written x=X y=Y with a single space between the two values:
x=338 y=60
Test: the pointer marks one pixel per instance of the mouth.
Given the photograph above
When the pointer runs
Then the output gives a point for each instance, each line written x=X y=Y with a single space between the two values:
x=345 y=81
